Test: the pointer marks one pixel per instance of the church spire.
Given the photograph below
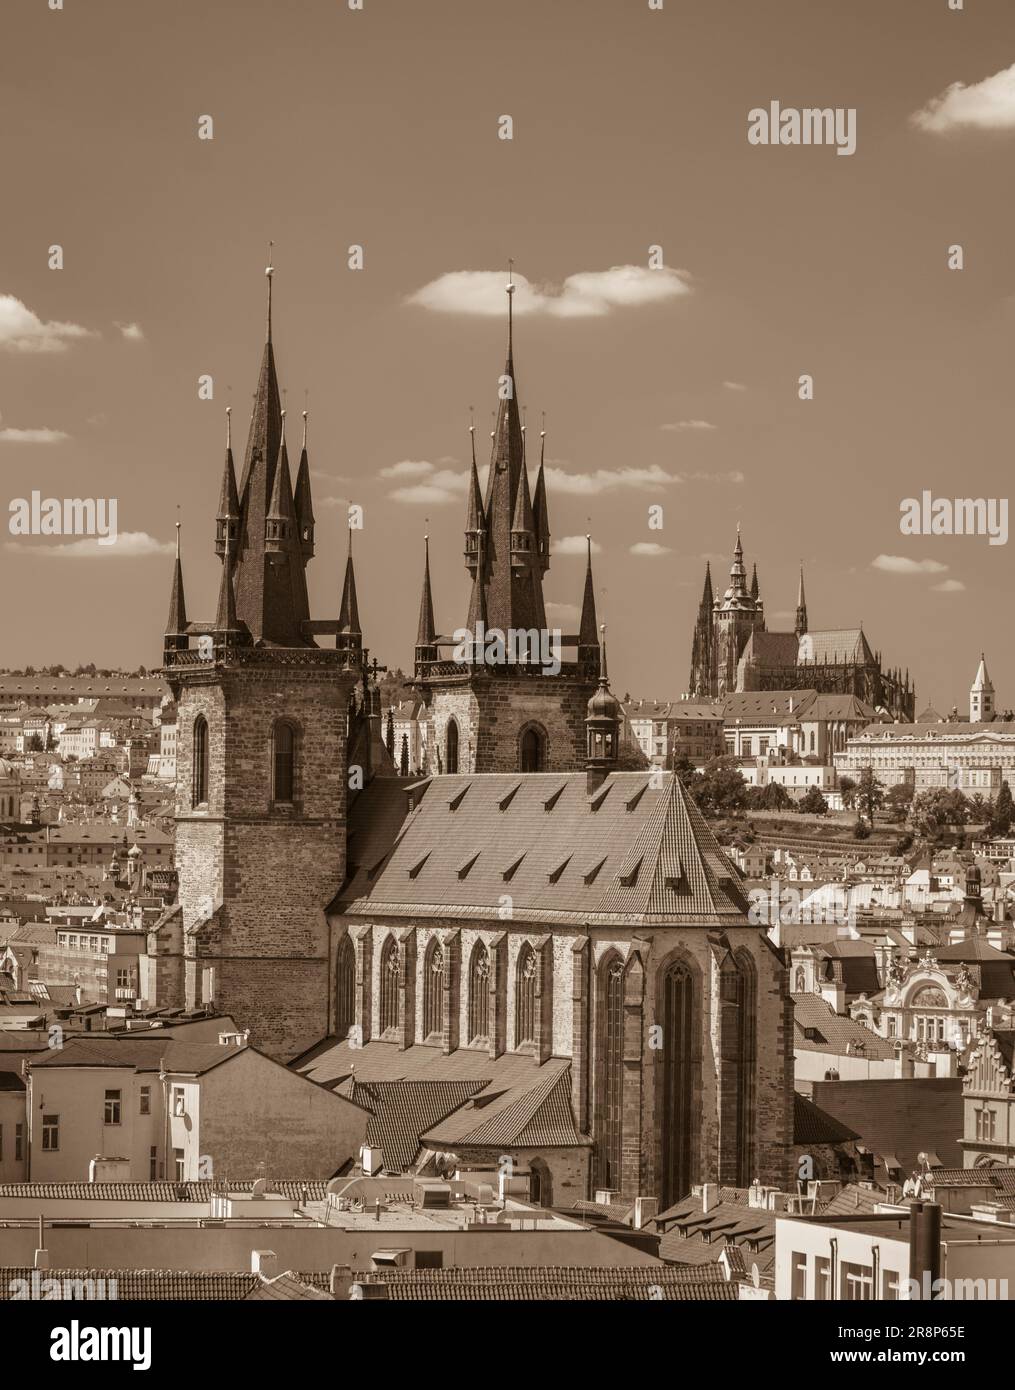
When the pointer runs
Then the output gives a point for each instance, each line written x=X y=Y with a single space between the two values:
x=522 y=529
x=350 y=634
x=588 y=640
x=540 y=513
x=426 y=633
x=228 y=520
x=302 y=503
x=228 y=627
x=176 y=623
x=800 y=627
x=279 y=523
x=754 y=583
x=510 y=575
x=269 y=579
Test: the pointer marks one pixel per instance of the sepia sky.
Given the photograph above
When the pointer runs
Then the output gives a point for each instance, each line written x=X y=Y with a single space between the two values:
x=335 y=127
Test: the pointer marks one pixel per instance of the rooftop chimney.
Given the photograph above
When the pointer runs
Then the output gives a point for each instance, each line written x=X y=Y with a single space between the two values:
x=264 y=1263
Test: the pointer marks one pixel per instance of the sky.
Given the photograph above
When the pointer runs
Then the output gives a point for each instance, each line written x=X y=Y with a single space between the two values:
x=677 y=385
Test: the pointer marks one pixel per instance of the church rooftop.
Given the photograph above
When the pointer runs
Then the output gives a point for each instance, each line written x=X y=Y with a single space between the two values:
x=637 y=852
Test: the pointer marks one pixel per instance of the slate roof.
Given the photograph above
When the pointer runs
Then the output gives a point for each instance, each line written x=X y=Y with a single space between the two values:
x=767 y=706
x=634 y=853
x=997 y=968
x=419 y=1095
x=693 y=1237
x=852 y=1199
x=834 y=1032
x=837 y=644
x=569 y=1283
x=812 y=1125
x=143 y=1053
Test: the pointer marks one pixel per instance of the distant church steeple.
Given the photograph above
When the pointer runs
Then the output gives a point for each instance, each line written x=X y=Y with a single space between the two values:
x=981 y=696
x=800 y=626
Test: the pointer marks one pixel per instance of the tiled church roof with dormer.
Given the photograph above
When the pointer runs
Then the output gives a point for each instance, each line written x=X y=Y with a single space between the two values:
x=636 y=851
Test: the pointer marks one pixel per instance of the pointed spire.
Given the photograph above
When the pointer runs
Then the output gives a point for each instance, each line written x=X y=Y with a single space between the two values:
x=800 y=626
x=269 y=272
x=226 y=621
x=279 y=522
x=707 y=597
x=522 y=536
x=302 y=502
x=475 y=521
x=426 y=633
x=350 y=633
x=604 y=678
x=176 y=623
x=588 y=638
x=603 y=716
x=754 y=583
x=228 y=520
x=540 y=512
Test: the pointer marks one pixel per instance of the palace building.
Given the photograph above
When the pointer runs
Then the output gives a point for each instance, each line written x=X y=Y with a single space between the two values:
x=528 y=951
x=733 y=651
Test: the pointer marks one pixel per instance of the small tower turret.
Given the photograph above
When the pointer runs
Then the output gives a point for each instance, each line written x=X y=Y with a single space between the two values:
x=602 y=727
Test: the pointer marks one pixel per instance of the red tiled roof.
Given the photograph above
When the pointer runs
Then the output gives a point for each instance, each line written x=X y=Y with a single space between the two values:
x=812 y=1125
x=403 y=1111
x=572 y=1283
x=535 y=1114
x=152 y=1285
x=834 y=1032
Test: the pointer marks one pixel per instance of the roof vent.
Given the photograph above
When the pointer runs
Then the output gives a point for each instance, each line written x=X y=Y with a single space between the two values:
x=555 y=874
x=463 y=871
x=629 y=879
x=416 y=869
x=456 y=801
x=633 y=802
x=511 y=869
x=554 y=797
x=591 y=875
x=506 y=800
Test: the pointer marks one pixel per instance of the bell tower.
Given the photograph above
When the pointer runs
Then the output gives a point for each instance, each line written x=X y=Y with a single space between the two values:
x=263 y=716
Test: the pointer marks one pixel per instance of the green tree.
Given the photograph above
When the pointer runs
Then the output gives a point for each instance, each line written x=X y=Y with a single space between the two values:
x=898 y=800
x=813 y=803
x=847 y=788
x=870 y=795
x=1004 y=812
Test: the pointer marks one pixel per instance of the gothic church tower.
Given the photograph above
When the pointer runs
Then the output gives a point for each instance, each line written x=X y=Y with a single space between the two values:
x=264 y=724
x=494 y=703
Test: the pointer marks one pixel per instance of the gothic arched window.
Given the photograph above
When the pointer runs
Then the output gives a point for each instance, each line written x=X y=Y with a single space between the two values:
x=433 y=990
x=609 y=1110
x=345 y=987
x=199 y=790
x=747 y=1051
x=525 y=997
x=479 y=994
x=390 y=981
x=283 y=760
x=532 y=751
x=676 y=1110
x=451 y=747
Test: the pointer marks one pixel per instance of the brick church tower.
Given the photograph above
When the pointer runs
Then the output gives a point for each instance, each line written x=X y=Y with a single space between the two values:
x=265 y=719
x=499 y=703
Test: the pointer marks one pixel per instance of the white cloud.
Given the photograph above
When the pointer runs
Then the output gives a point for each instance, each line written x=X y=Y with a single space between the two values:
x=902 y=564
x=733 y=476
x=21 y=330
x=561 y=613
x=650 y=548
x=949 y=586
x=608 y=480
x=132 y=331
x=986 y=105
x=128 y=545
x=10 y=435
x=587 y=294
x=574 y=545
x=408 y=468
x=689 y=425
x=734 y=386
